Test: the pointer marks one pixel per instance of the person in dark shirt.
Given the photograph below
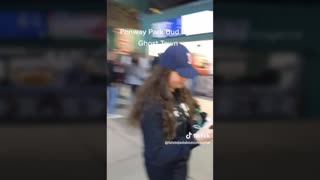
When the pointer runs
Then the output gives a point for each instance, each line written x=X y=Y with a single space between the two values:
x=164 y=109
x=115 y=76
x=135 y=74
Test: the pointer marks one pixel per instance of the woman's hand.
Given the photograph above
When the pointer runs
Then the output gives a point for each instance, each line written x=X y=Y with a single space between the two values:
x=205 y=134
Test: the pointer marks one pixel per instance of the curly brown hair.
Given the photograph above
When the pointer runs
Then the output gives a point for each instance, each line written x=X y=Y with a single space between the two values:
x=156 y=89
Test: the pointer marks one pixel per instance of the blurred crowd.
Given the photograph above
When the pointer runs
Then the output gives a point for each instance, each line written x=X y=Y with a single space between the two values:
x=120 y=73
x=129 y=71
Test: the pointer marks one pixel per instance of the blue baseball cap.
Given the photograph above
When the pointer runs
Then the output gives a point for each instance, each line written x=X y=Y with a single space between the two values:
x=178 y=58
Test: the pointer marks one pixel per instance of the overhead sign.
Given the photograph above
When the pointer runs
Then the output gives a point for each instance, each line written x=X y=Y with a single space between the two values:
x=197 y=23
x=185 y=25
x=169 y=28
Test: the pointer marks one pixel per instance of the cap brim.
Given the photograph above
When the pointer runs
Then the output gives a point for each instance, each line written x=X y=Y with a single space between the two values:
x=188 y=72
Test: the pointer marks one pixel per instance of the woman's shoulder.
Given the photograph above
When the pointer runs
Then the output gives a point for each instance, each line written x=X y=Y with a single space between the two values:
x=152 y=105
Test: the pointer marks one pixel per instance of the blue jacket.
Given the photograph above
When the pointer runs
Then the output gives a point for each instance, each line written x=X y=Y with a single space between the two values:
x=165 y=161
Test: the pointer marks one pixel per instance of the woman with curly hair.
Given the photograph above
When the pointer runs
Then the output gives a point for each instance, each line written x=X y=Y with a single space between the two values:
x=164 y=109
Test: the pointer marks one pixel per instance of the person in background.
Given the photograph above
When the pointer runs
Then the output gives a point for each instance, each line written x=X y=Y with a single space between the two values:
x=135 y=74
x=164 y=109
x=114 y=78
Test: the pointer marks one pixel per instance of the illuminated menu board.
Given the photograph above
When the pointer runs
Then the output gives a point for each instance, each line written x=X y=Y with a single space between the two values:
x=186 y=25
